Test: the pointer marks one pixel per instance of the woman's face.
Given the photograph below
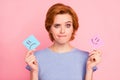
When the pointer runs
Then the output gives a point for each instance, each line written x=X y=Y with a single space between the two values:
x=62 y=28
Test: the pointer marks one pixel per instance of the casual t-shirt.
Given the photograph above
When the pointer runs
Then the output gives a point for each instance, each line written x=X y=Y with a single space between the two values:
x=61 y=66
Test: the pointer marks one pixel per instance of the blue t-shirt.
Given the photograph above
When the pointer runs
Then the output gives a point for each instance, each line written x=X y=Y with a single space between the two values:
x=61 y=66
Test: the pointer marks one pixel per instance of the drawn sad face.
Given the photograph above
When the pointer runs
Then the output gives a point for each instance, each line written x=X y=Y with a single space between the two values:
x=31 y=44
x=96 y=42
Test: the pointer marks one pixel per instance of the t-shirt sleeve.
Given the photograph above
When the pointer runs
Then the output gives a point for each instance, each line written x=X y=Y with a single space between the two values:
x=94 y=68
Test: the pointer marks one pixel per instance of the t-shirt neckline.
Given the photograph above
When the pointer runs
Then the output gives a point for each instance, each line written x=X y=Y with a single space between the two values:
x=71 y=51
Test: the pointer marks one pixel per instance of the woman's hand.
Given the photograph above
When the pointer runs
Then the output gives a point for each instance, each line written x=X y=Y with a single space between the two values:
x=94 y=59
x=31 y=60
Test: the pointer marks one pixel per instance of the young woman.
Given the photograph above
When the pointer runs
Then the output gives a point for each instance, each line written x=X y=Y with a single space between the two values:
x=61 y=61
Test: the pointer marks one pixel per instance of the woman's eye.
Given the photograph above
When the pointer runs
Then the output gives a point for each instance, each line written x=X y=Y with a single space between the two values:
x=68 y=25
x=56 y=25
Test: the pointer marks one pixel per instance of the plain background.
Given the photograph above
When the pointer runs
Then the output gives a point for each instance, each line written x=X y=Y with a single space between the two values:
x=21 y=18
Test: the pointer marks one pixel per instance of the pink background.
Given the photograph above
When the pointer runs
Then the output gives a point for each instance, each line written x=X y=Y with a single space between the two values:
x=21 y=18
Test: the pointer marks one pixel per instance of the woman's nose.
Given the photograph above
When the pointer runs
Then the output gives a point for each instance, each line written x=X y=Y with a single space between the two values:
x=62 y=30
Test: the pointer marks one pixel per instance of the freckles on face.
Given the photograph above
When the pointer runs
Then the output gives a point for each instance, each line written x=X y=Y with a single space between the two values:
x=62 y=27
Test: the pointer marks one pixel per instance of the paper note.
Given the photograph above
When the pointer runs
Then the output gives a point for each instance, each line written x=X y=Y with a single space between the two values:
x=96 y=42
x=31 y=42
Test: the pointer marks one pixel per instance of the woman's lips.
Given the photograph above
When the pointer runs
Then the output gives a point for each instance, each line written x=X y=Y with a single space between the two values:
x=61 y=35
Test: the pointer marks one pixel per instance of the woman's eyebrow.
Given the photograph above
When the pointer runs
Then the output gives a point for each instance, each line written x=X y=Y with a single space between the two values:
x=68 y=22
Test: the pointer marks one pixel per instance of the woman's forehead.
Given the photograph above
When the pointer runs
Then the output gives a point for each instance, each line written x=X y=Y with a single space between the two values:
x=60 y=18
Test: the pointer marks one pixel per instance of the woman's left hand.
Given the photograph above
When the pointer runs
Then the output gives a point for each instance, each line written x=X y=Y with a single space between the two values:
x=94 y=59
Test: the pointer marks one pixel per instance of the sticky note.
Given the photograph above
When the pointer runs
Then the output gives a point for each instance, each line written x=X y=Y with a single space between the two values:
x=31 y=42
x=96 y=41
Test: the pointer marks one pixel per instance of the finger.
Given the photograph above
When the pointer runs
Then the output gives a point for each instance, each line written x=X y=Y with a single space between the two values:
x=92 y=52
x=35 y=62
x=31 y=57
x=31 y=61
x=97 y=52
x=96 y=59
x=29 y=53
x=92 y=57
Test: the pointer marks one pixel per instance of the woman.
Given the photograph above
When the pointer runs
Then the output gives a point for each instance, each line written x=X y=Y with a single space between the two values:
x=61 y=61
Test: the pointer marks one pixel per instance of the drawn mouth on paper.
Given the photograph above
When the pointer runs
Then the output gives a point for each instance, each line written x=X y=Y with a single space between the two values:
x=95 y=41
x=32 y=45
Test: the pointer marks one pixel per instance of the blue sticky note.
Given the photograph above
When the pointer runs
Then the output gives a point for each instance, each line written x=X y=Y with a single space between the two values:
x=31 y=42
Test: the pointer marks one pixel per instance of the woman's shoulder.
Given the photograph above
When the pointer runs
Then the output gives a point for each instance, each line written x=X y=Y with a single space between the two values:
x=41 y=51
x=82 y=52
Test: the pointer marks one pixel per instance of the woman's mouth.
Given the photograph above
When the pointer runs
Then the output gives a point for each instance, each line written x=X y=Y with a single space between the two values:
x=61 y=35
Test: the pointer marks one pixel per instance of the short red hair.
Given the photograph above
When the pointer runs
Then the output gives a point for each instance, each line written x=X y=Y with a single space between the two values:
x=60 y=8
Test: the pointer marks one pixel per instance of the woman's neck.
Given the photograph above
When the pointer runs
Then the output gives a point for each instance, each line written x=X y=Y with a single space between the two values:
x=61 y=48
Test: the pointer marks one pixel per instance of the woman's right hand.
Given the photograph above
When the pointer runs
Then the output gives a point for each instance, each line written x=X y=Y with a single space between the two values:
x=31 y=60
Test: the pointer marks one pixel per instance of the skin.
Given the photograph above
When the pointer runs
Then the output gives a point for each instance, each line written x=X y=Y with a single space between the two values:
x=62 y=30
